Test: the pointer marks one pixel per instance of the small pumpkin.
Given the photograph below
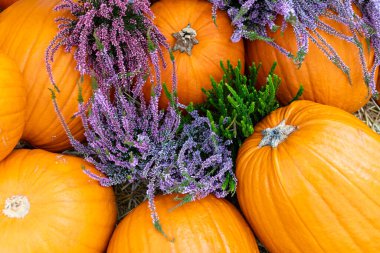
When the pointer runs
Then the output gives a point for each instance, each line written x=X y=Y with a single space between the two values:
x=322 y=80
x=309 y=181
x=207 y=45
x=12 y=105
x=202 y=226
x=48 y=204
x=26 y=30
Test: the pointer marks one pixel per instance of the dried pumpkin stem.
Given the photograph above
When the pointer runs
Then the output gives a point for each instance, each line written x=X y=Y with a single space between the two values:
x=185 y=40
x=16 y=206
x=274 y=136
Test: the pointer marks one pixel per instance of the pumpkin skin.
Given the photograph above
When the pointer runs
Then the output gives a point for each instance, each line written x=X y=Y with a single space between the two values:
x=318 y=190
x=203 y=226
x=26 y=29
x=12 y=105
x=322 y=80
x=69 y=212
x=193 y=72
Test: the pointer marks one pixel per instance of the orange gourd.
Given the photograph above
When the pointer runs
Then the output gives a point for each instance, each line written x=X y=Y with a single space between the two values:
x=48 y=204
x=12 y=105
x=203 y=226
x=26 y=29
x=311 y=184
x=323 y=81
x=194 y=71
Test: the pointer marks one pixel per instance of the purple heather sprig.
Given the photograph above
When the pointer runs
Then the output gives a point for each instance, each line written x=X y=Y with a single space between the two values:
x=252 y=18
x=123 y=29
x=132 y=141
x=128 y=139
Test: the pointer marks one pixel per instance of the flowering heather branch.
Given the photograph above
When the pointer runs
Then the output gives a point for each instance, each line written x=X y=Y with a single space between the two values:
x=129 y=140
x=123 y=29
x=251 y=18
x=132 y=141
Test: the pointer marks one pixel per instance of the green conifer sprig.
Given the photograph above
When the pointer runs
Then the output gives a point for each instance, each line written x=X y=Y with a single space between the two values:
x=234 y=106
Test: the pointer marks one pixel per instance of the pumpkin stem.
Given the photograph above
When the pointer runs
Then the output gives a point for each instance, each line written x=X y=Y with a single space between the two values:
x=185 y=40
x=276 y=135
x=16 y=206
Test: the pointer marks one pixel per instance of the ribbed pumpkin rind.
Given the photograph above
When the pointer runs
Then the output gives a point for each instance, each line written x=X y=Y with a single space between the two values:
x=323 y=81
x=69 y=212
x=26 y=29
x=318 y=191
x=12 y=105
x=207 y=225
x=194 y=72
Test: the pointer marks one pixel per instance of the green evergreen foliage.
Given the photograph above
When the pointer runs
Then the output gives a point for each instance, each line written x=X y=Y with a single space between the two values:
x=234 y=106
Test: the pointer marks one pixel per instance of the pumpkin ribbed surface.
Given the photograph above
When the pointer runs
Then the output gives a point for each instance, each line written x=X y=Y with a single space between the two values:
x=48 y=204
x=194 y=71
x=12 y=105
x=204 y=226
x=318 y=190
x=323 y=81
x=26 y=29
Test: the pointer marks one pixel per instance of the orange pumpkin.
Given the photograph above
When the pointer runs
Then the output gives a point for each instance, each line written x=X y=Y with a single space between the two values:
x=310 y=181
x=49 y=204
x=26 y=30
x=194 y=66
x=323 y=81
x=203 y=226
x=12 y=105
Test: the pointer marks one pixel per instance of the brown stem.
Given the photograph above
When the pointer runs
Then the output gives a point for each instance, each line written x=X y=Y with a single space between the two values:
x=185 y=40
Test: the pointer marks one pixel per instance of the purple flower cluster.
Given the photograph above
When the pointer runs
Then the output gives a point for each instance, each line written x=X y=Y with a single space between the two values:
x=128 y=139
x=252 y=18
x=131 y=141
x=122 y=29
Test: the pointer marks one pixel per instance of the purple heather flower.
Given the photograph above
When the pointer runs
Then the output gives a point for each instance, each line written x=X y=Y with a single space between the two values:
x=129 y=140
x=122 y=29
x=251 y=18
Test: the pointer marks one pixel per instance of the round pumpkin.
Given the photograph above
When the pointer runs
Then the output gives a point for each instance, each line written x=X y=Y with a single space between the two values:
x=48 y=204
x=322 y=80
x=12 y=105
x=309 y=181
x=190 y=22
x=202 y=226
x=26 y=29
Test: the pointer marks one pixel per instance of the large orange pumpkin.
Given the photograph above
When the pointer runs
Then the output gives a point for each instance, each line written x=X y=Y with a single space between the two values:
x=323 y=81
x=48 y=204
x=204 y=226
x=310 y=181
x=12 y=105
x=26 y=29
x=194 y=67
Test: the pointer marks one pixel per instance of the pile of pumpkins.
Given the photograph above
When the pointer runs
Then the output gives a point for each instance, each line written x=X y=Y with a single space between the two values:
x=308 y=178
